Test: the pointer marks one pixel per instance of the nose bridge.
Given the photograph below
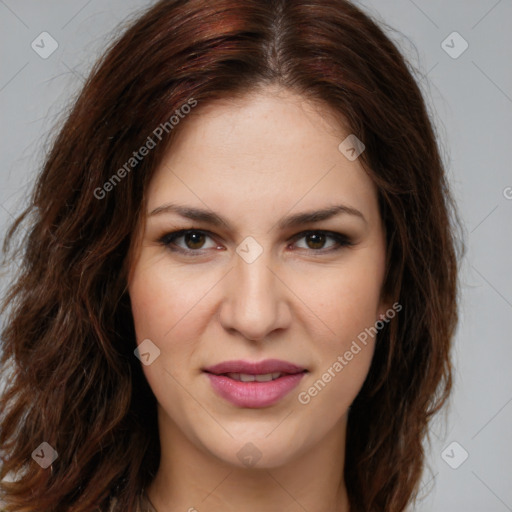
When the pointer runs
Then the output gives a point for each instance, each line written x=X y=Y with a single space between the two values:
x=253 y=306
x=255 y=278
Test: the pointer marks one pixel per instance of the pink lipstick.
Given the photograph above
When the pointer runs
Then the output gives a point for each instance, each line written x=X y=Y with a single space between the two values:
x=254 y=384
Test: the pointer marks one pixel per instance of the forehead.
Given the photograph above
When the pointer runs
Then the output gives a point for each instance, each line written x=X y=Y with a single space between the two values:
x=261 y=152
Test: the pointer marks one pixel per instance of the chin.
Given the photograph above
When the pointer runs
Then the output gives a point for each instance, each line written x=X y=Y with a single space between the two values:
x=257 y=450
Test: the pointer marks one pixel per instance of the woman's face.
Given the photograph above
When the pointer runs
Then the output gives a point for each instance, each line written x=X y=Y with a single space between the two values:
x=260 y=288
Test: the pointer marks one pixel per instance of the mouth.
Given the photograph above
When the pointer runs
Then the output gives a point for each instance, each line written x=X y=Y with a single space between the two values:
x=266 y=367
x=254 y=384
x=262 y=377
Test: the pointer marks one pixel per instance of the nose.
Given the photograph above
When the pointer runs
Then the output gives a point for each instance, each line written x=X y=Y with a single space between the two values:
x=255 y=301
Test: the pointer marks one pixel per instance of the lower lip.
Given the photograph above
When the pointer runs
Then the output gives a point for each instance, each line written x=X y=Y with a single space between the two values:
x=254 y=394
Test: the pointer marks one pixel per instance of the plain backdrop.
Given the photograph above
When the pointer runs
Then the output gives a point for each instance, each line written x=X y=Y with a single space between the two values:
x=469 y=93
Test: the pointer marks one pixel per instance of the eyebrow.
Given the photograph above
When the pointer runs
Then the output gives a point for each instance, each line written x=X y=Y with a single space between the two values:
x=214 y=219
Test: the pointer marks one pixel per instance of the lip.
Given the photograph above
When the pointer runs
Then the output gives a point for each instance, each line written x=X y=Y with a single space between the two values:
x=254 y=394
x=254 y=367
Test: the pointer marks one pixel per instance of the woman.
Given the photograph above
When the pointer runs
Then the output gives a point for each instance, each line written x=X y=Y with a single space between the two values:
x=239 y=287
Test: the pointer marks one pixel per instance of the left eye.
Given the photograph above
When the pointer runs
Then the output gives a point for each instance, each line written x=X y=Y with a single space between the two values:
x=318 y=238
x=194 y=240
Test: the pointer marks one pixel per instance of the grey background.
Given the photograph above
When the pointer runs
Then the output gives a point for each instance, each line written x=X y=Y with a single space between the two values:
x=470 y=99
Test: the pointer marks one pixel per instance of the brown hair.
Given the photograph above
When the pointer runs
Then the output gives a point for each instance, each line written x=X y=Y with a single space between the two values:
x=68 y=341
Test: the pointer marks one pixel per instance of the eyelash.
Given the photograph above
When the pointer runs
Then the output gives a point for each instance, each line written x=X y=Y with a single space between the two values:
x=168 y=239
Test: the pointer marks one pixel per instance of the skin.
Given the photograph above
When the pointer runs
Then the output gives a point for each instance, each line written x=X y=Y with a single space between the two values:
x=254 y=160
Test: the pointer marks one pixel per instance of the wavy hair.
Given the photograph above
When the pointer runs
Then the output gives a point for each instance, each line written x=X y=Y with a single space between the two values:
x=68 y=336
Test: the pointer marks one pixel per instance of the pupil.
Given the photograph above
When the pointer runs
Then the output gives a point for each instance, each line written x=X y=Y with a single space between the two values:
x=189 y=237
x=319 y=240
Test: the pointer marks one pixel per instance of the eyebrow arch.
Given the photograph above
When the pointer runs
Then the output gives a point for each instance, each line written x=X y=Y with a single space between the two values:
x=295 y=220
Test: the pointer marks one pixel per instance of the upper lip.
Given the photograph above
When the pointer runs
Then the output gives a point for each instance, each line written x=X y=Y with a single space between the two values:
x=254 y=367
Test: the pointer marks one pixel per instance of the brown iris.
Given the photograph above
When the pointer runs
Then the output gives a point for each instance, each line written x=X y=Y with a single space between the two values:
x=194 y=240
x=318 y=240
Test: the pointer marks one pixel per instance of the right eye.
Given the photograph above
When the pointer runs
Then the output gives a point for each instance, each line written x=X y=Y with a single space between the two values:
x=193 y=240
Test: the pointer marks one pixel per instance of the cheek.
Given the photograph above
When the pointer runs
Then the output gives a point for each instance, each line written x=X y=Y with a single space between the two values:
x=167 y=309
x=348 y=303
x=345 y=301
x=163 y=300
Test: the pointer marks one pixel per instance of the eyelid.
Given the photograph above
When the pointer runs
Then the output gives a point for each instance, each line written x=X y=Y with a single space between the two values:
x=341 y=241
